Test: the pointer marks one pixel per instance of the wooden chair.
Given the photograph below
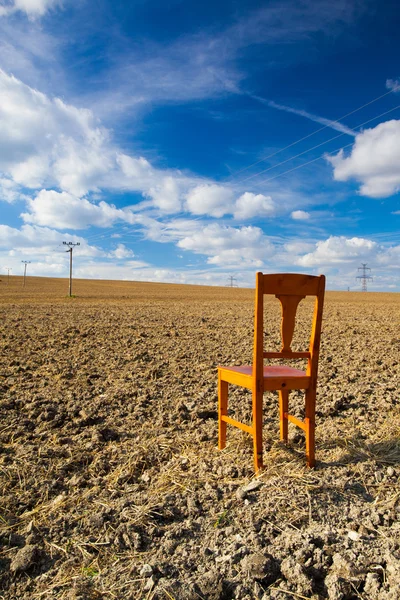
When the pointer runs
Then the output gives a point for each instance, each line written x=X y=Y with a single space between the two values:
x=289 y=289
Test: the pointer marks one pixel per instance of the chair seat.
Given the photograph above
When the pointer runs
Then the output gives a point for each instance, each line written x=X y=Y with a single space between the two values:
x=276 y=377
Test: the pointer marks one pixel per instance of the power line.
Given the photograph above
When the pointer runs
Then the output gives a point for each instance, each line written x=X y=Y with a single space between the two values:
x=109 y=232
x=317 y=146
x=103 y=233
x=313 y=133
x=300 y=166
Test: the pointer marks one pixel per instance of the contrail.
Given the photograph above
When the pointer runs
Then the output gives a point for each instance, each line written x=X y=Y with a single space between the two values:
x=303 y=113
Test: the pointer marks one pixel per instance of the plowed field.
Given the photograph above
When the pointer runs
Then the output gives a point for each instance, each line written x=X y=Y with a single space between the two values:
x=110 y=479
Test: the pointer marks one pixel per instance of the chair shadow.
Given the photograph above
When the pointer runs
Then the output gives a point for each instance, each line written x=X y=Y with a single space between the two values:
x=356 y=450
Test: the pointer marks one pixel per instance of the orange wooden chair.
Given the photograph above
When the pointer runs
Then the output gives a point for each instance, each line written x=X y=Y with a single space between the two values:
x=289 y=289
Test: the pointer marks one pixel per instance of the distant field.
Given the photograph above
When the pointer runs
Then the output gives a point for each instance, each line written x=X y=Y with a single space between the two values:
x=40 y=288
x=112 y=484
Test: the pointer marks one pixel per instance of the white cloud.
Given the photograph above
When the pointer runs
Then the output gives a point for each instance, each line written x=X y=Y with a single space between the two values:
x=41 y=242
x=33 y=8
x=49 y=261
x=46 y=142
x=393 y=84
x=374 y=161
x=121 y=252
x=340 y=258
x=137 y=173
x=217 y=237
x=166 y=195
x=43 y=246
x=339 y=249
x=296 y=247
x=224 y=245
x=63 y=210
x=33 y=54
x=251 y=205
x=243 y=247
x=28 y=237
x=300 y=215
x=10 y=191
x=210 y=199
x=63 y=150
x=168 y=231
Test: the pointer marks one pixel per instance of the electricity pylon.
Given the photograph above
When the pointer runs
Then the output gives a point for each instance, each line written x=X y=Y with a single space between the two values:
x=364 y=276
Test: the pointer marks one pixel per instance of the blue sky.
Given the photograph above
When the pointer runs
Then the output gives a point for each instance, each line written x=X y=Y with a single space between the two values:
x=188 y=142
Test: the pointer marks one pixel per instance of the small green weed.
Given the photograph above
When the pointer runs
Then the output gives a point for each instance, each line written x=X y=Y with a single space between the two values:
x=90 y=571
x=223 y=519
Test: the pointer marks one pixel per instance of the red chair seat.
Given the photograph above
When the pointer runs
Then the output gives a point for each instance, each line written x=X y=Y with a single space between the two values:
x=269 y=371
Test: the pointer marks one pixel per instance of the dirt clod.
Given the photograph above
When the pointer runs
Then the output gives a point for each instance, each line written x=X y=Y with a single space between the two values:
x=26 y=557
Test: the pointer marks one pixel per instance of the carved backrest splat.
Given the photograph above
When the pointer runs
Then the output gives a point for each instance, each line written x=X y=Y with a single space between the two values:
x=289 y=306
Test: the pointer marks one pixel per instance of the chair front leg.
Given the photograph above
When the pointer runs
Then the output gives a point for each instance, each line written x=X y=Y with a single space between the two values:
x=310 y=426
x=257 y=398
x=222 y=410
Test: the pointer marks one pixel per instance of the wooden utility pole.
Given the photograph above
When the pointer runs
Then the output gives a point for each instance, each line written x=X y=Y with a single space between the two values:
x=8 y=275
x=25 y=262
x=70 y=249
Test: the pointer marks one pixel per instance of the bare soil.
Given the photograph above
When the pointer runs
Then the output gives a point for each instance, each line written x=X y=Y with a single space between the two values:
x=112 y=485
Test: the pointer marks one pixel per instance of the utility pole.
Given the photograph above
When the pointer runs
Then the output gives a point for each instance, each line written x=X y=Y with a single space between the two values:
x=364 y=276
x=71 y=246
x=8 y=274
x=232 y=282
x=25 y=262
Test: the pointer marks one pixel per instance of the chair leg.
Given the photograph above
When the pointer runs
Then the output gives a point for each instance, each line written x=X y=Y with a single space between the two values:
x=283 y=408
x=310 y=427
x=257 y=429
x=222 y=410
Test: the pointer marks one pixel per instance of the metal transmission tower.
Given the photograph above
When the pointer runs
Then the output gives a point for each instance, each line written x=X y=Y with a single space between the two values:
x=25 y=262
x=364 y=276
x=71 y=246
x=231 y=282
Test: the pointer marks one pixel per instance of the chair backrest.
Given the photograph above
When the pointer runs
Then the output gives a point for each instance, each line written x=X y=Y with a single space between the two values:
x=289 y=288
